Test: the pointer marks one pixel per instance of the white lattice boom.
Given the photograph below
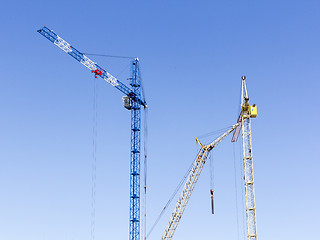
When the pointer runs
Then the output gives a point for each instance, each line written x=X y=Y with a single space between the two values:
x=191 y=183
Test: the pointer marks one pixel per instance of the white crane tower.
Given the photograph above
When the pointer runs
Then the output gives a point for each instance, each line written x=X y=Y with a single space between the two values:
x=248 y=112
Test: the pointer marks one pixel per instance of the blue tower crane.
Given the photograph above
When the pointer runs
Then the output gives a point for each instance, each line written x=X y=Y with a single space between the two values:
x=132 y=101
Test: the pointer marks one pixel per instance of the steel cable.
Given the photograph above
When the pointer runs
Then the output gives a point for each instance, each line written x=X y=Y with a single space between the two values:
x=94 y=159
x=171 y=198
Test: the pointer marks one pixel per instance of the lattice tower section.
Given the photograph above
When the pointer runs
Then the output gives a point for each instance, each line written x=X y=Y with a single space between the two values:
x=248 y=165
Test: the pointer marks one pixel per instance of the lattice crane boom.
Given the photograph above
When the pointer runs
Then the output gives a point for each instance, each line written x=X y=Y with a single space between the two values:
x=87 y=62
x=190 y=184
x=132 y=101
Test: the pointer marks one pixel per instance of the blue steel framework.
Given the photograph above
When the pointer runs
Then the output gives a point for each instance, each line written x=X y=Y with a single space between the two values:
x=136 y=103
x=135 y=155
x=83 y=59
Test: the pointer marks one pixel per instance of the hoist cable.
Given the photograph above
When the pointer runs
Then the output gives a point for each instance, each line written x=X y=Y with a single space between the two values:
x=117 y=75
x=94 y=158
x=211 y=181
x=142 y=88
x=145 y=144
x=215 y=132
x=171 y=198
x=240 y=98
x=242 y=192
x=241 y=178
x=113 y=56
x=211 y=171
x=236 y=191
x=180 y=184
x=145 y=150
x=106 y=55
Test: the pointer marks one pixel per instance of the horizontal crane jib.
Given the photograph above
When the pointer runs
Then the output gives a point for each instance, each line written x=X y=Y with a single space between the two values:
x=87 y=62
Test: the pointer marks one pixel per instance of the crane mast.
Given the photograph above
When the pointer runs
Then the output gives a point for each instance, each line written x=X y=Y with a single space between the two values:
x=190 y=184
x=134 y=224
x=248 y=112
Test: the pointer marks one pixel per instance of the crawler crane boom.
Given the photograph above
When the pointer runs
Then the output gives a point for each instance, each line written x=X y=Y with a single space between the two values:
x=190 y=184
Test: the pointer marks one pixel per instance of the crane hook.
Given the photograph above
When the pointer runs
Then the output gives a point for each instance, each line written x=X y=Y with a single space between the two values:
x=212 y=203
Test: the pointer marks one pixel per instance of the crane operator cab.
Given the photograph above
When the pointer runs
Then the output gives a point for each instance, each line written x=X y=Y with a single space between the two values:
x=253 y=111
x=127 y=102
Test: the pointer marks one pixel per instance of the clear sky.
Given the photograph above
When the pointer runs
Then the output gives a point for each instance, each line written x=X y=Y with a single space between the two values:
x=193 y=54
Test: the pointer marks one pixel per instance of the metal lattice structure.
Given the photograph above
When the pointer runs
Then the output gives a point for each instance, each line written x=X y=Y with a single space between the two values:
x=134 y=227
x=87 y=62
x=247 y=112
x=132 y=101
x=191 y=183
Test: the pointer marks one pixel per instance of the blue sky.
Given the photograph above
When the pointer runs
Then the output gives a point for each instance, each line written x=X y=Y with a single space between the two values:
x=192 y=57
